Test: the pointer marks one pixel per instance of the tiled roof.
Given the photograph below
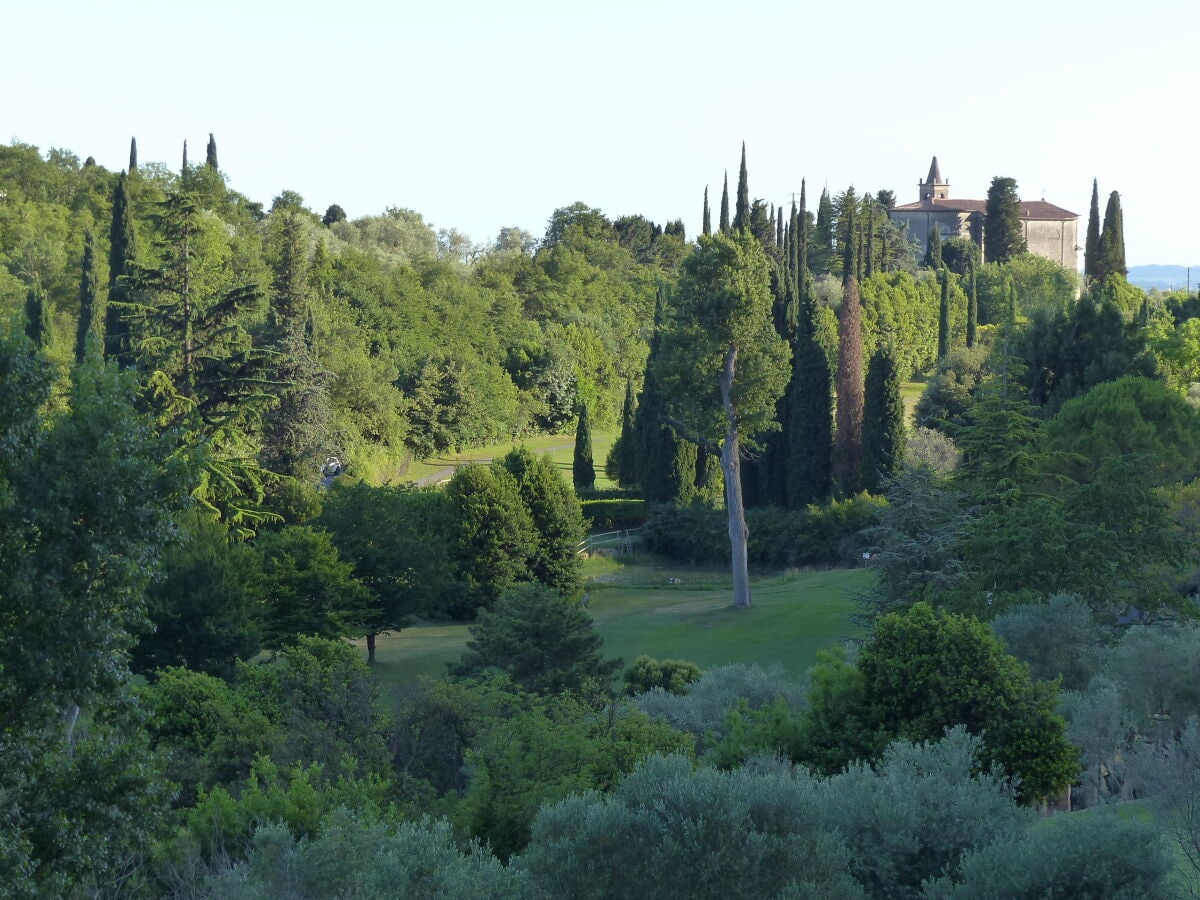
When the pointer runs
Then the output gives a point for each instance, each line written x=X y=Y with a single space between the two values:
x=1038 y=210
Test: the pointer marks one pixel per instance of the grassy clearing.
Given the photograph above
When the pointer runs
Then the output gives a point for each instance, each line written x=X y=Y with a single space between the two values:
x=643 y=605
x=561 y=448
x=910 y=393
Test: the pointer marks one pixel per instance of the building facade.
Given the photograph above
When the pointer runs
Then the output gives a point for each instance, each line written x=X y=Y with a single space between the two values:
x=1050 y=231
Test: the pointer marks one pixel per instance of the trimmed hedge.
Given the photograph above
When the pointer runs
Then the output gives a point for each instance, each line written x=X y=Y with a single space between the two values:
x=610 y=515
x=816 y=536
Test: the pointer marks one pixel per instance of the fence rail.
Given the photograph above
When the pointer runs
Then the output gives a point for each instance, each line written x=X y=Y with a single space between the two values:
x=621 y=541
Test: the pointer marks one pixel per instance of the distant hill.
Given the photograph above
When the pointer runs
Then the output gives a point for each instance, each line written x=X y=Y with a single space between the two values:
x=1165 y=278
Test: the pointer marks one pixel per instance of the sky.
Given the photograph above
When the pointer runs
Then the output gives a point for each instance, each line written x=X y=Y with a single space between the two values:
x=487 y=115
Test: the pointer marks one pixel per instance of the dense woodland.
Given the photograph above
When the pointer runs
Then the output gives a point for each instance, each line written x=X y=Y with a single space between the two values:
x=182 y=710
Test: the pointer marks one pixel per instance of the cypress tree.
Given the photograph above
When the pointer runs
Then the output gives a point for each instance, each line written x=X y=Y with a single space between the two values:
x=621 y=464
x=724 y=222
x=870 y=261
x=822 y=244
x=793 y=254
x=37 y=318
x=972 y=303
x=848 y=446
x=810 y=417
x=779 y=228
x=802 y=248
x=89 y=291
x=583 y=470
x=122 y=254
x=706 y=228
x=1112 y=240
x=944 y=314
x=741 y=216
x=210 y=155
x=883 y=420
x=933 y=249
x=1091 y=246
x=184 y=170
x=1002 y=233
x=132 y=155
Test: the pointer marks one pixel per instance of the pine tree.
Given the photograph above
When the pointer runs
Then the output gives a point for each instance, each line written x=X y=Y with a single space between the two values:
x=933 y=250
x=972 y=303
x=724 y=223
x=883 y=420
x=583 y=470
x=944 y=314
x=132 y=155
x=1091 y=246
x=706 y=228
x=89 y=291
x=1112 y=240
x=741 y=215
x=210 y=156
x=122 y=257
x=848 y=446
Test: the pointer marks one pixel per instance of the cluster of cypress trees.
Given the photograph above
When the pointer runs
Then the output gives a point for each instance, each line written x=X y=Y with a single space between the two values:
x=1104 y=248
x=800 y=463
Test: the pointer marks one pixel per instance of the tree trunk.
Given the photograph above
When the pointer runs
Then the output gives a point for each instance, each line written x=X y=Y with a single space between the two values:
x=731 y=467
x=371 y=649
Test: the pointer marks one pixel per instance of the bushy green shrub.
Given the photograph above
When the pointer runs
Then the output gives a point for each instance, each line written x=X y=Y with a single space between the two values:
x=613 y=514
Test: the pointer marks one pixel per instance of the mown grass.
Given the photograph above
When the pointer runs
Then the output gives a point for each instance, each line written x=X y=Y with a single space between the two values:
x=561 y=448
x=641 y=604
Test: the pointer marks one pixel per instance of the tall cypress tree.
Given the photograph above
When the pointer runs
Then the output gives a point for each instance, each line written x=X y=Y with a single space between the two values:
x=1112 y=240
x=883 y=420
x=122 y=256
x=583 y=469
x=869 y=266
x=724 y=222
x=933 y=249
x=1003 y=237
x=779 y=228
x=621 y=464
x=741 y=216
x=706 y=227
x=132 y=155
x=810 y=417
x=89 y=295
x=972 y=302
x=37 y=317
x=184 y=170
x=944 y=314
x=821 y=253
x=848 y=446
x=1091 y=246
x=210 y=155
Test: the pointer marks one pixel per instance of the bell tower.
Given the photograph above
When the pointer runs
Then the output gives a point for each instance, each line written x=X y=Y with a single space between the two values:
x=934 y=187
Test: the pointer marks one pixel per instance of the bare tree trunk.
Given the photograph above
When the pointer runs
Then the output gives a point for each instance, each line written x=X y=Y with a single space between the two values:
x=731 y=467
x=371 y=649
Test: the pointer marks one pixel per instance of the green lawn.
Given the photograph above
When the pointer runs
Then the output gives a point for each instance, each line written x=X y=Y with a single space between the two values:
x=641 y=605
x=910 y=393
x=561 y=448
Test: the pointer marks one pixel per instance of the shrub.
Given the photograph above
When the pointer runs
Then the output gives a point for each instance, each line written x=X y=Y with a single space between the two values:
x=613 y=514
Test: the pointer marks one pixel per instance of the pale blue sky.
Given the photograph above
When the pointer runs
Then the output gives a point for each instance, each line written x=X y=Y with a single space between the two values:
x=482 y=115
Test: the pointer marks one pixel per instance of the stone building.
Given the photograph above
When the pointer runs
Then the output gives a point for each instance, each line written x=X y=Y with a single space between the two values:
x=1050 y=230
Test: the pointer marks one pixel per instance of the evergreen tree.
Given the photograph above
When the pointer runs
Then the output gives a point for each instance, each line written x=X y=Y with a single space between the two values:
x=1091 y=246
x=183 y=172
x=883 y=420
x=37 y=318
x=869 y=266
x=741 y=214
x=210 y=156
x=621 y=464
x=724 y=223
x=583 y=470
x=779 y=228
x=821 y=253
x=89 y=290
x=132 y=155
x=706 y=227
x=972 y=303
x=1112 y=240
x=848 y=446
x=1002 y=234
x=944 y=314
x=933 y=249
x=296 y=430
x=122 y=257
x=810 y=418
